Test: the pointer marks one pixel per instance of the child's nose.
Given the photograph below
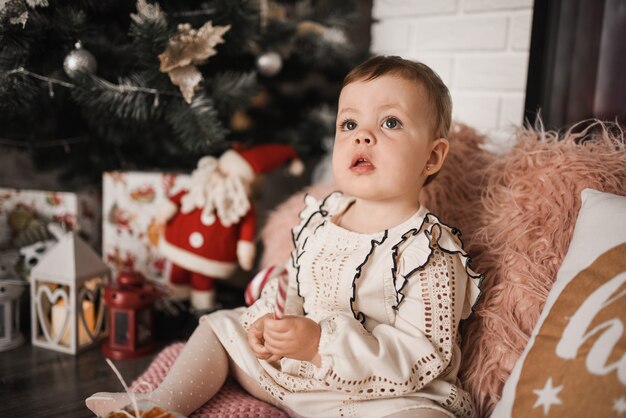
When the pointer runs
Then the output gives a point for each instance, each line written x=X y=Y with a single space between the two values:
x=364 y=137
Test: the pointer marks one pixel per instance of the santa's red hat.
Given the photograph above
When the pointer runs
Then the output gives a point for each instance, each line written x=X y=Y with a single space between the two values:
x=247 y=163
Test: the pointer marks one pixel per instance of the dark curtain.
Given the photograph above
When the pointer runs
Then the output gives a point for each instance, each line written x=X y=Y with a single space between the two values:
x=577 y=61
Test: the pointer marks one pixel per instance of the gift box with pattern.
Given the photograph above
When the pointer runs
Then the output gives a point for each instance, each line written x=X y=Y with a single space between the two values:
x=72 y=211
x=130 y=201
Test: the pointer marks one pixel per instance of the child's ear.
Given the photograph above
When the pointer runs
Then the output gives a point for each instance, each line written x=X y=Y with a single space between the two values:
x=438 y=154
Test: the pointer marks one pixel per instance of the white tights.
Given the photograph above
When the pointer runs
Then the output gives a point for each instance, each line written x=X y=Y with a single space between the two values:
x=197 y=374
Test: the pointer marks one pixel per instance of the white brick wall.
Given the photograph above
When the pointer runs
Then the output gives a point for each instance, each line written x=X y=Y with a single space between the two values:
x=478 y=47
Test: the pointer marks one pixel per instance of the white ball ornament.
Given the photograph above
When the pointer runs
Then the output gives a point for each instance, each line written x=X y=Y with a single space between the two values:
x=79 y=61
x=269 y=64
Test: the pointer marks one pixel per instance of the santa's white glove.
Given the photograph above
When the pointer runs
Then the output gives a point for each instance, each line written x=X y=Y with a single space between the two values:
x=246 y=251
x=165 y=211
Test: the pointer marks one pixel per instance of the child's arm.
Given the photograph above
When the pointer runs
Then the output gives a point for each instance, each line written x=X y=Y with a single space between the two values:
x=411 y=353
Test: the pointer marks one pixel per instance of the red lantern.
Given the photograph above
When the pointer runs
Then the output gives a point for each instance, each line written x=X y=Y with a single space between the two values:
x=131 y=316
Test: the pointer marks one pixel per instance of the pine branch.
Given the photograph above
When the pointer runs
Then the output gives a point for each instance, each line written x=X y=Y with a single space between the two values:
x=131 y=98
x=317 y=131
x=196 y=126
x=232 y=91
x=63 y=24
x=98 y=6
x=13 y=39
x=150 y=32
x=242 y=15
x=337 y=14
x=331 y=50
x=17 y=92
x=15 y=46
x=279 y=33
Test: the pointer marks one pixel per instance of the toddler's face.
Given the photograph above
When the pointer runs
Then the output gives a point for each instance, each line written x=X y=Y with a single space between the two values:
x=383 y=139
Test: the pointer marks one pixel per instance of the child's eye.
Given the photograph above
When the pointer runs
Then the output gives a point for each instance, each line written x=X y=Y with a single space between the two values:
x=348 y=125
x=392 y=123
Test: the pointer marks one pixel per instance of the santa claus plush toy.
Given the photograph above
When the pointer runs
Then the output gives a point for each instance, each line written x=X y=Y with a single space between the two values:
x=210 y=228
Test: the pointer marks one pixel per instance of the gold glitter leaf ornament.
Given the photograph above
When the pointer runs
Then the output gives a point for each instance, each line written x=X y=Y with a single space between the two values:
x=187 y=79
x=188 y=48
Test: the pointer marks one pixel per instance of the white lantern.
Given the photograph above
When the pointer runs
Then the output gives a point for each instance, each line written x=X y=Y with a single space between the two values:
x=10 y=292
x=67 y=297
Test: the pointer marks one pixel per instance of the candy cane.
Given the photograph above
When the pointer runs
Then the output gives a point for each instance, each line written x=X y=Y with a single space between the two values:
x=255 y=287
x=281 y=295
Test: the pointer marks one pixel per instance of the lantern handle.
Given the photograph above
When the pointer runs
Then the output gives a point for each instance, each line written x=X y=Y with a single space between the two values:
x=130 y=279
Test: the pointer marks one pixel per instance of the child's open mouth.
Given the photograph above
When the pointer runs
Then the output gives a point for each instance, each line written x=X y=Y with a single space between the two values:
x=361 y=163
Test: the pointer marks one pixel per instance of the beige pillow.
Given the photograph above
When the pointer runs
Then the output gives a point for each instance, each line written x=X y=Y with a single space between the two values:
x=574 y=364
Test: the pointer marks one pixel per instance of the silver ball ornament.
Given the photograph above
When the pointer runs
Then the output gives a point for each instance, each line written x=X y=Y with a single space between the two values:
x=269 y=64
x=79 y=61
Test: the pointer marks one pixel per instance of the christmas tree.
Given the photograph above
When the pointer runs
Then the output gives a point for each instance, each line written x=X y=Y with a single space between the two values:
x=96 y=85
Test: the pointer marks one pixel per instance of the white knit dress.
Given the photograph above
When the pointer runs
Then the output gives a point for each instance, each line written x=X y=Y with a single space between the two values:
x=389 y=306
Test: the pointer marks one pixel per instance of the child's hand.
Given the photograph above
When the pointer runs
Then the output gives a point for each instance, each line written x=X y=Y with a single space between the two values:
x=295 y=337
x=256 y=341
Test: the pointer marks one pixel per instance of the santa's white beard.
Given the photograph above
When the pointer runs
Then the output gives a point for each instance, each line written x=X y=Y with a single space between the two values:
x=230 y=199
x=217 y=195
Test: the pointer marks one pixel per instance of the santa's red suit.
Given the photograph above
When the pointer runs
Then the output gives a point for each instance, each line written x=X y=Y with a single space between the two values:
x=203 y=251
x=205 y=243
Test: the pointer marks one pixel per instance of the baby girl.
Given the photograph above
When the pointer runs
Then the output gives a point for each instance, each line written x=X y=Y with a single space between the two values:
x=377 y=283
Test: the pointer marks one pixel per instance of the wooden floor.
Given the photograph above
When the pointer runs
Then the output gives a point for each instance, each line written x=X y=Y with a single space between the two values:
x=37 y=382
